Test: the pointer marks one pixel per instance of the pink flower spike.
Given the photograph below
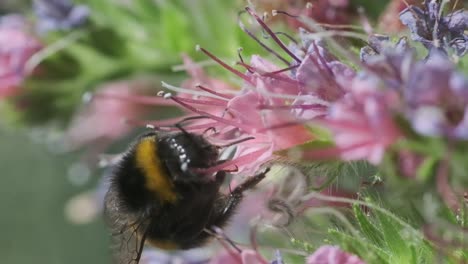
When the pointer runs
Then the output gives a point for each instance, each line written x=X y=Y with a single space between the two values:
x=17 y=46
x=332 y=255
x=103 y=118
x=363 y=126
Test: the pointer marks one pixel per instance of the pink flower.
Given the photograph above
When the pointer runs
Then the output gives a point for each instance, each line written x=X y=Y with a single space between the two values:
x=273 y=103
x=332 y=255
x=409 y=163
x=103 y=118
x=16 y=47
x=246 y=256
x=323 y=11
x=247 y=112
x=362 y=123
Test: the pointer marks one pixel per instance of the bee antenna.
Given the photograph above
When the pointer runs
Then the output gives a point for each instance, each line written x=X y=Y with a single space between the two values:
x=179 y=126
x=235 y=142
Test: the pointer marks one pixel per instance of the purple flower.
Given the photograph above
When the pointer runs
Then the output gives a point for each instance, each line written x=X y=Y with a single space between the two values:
x=59 y=15
x=386 y=60
x=436 y=98
x=278 y=258
x=193 y=256
x=434 y=30
x=332 y=255
x=380 y=46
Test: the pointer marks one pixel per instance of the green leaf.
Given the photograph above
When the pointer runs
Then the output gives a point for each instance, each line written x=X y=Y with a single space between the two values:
x=371 y=253
x=399 y=247
x=426 y=169
x=368 y=228
x=373 y=8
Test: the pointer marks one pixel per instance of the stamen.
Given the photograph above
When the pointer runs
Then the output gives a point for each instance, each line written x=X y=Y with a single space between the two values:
x=263 y=45
x=272 y=34
x=212 y=102
x=307 y=21
x=140 y=99
x=247 y=67
x=276 y=12
x=331 y=75
x=219 y=119
x=189 y=91
x=225 y=96
x=222 y=63
x=239 y=50
x=287 y=35
x=271 y=74
x=355 y=27
x=274 y=74
x=288 y=107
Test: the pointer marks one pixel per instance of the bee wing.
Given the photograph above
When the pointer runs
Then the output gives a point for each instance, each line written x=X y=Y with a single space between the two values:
x=126 y=230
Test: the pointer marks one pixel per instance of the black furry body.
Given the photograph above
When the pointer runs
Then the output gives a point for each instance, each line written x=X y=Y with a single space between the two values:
x=154 y=215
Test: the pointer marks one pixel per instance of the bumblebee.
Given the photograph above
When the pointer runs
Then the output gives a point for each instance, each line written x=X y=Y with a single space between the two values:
x=161 y=195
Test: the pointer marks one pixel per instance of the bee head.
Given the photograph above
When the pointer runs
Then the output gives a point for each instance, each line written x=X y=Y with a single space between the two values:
x=181 y=152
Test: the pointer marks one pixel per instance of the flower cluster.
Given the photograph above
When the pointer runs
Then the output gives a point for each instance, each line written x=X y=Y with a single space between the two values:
x=434 y=29
x=392 y=97
x=17 y=45
x=59 y=15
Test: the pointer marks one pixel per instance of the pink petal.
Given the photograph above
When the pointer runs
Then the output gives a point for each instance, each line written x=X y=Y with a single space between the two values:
x=332 y=255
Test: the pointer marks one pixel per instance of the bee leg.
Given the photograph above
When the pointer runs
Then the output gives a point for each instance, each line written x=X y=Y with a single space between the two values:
x=249 y=183
x=226 y=208
x=226 y=204
x=236 y=195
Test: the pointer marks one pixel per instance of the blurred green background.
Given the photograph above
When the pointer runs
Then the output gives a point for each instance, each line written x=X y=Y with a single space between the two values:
x=34 y=190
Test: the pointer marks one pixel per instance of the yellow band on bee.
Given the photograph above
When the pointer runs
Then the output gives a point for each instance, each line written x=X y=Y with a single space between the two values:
x=156 y=179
